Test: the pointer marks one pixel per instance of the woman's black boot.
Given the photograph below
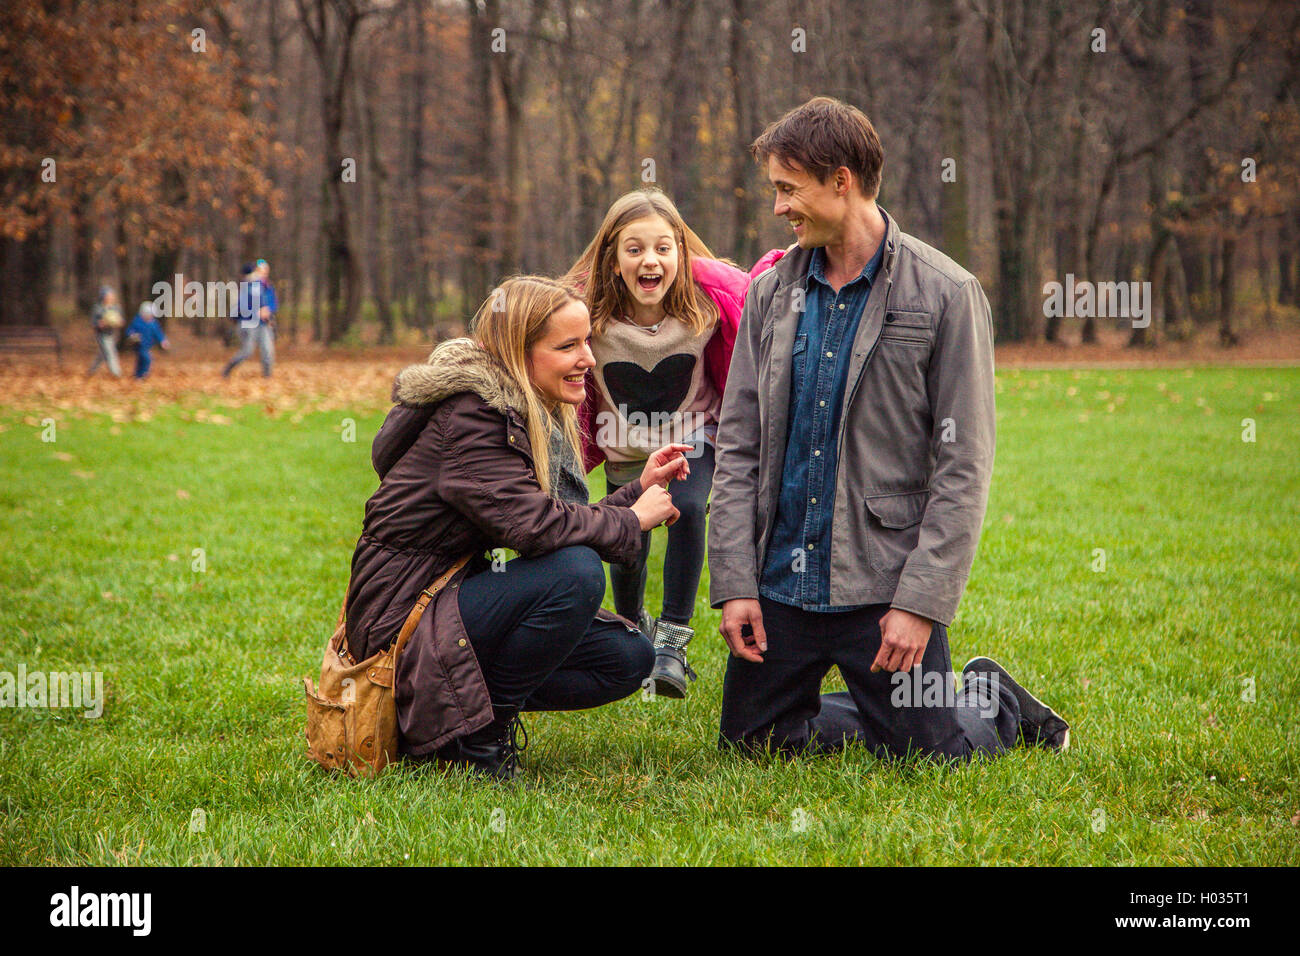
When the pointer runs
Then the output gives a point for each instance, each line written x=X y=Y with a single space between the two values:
x=492 y=751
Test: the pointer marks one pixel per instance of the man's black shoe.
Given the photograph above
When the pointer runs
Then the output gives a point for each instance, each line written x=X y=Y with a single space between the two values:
x=1039 y=724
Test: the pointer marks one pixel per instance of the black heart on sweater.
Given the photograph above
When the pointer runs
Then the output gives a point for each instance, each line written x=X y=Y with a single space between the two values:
x=662 y=390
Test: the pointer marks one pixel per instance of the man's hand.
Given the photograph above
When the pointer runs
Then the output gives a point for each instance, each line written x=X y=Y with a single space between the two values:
x=737 y=616
x=664 y=465
x=903 y=636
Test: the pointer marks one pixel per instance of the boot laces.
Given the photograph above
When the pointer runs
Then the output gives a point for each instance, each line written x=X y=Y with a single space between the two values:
x=510 y=737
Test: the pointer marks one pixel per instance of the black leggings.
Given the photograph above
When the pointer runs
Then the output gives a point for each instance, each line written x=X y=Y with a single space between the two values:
x=684 y=559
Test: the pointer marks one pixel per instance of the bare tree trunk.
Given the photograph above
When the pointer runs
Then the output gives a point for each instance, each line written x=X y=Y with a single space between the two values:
x=297 y=286
x=1157 y=274
x=479 y=170
x=1286 y=241
x=1264 y=266
x=25 y=278
x=85 y=285
x=1178 y=308
x=331 y=29
x=512 y=81
x=128 y=269
x=1227 y=292
x=418 y=164
x=265 y=222
x=1157 y=258
x=576 y=93
x=1010 y=37
x=683 y=115
x=377 y=223
x=1213 y=280
x=744 y=228
x=953 y=203
x=319 y=330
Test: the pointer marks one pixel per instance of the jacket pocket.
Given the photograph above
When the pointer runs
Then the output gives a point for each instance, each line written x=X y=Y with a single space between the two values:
x=907 y=329
x=798 y=360
x=893 y=529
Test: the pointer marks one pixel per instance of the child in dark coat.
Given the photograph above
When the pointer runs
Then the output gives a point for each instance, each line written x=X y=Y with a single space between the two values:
x=145 y=332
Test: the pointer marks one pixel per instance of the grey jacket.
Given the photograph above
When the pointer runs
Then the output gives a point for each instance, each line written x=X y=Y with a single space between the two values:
x=916 y=434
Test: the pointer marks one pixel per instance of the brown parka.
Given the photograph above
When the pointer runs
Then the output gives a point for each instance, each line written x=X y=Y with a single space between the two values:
x=457 y=477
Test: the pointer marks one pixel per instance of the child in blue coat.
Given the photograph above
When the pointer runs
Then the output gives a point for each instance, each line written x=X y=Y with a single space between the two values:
x=145 y=332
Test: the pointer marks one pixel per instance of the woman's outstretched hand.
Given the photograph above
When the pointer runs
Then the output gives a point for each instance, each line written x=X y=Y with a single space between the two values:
x=655 y=507
x=666 y=464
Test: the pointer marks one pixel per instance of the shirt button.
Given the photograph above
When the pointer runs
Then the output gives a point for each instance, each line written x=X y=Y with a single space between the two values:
x=461 y=642
x=830 y=355
x=841 y=305
x=817 y=453
x=813 y=500
x=822 y=404
x=512 y=439
x=811 y=546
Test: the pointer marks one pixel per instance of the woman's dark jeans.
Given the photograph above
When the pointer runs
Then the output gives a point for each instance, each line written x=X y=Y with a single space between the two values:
x=684 y=559
x=532 y=626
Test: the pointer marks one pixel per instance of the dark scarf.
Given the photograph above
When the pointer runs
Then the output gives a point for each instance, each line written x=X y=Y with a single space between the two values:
x=567 y=481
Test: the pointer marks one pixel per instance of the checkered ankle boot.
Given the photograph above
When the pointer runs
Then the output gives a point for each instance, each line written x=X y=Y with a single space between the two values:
x=671 y=672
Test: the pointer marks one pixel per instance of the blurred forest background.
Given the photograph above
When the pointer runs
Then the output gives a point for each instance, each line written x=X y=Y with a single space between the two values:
x=393 y=159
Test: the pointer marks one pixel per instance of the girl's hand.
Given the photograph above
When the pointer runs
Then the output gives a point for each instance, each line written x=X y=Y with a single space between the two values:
x=666 y=464
x=655 y=507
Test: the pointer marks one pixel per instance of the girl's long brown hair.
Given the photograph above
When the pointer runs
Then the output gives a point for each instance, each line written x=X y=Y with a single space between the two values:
x=596 y=271
x=509 y=323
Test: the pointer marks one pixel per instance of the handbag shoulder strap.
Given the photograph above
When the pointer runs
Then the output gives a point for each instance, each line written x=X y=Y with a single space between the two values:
x=427 y=595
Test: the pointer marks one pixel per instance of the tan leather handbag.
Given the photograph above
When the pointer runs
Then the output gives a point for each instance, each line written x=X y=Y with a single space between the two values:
x=352 y=719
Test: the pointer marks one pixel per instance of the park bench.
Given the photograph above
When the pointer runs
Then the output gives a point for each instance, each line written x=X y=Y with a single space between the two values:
x=30 y=338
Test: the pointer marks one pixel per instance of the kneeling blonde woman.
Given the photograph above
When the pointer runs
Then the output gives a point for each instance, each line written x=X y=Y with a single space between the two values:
x=481 y=453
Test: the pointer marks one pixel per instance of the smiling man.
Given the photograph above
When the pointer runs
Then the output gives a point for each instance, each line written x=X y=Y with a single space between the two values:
x=854 y=454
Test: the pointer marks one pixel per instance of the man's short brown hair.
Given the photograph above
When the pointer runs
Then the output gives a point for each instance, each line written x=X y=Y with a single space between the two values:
x=821 y=136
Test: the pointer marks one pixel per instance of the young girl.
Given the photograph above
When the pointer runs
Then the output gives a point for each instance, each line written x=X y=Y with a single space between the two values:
x=664 y=315
x=481 y=453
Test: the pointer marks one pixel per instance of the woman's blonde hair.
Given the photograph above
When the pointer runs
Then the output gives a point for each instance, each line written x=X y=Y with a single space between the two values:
x=607 y=295
x=509 y=323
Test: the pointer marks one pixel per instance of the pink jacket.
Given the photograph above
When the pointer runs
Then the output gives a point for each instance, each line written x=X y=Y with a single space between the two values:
x=726 y=286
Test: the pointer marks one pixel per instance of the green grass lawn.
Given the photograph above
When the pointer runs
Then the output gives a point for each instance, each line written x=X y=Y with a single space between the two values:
x=1152 y=659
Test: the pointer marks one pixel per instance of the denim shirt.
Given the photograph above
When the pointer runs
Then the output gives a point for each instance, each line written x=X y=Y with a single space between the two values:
x=797 y=571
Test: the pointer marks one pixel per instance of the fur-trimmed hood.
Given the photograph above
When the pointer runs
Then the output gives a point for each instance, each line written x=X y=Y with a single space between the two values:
x=454 y=367
x=459 y=365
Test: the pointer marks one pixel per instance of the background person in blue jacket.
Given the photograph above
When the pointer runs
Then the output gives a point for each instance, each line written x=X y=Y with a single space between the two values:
x=257 y=308
x=145 y=332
